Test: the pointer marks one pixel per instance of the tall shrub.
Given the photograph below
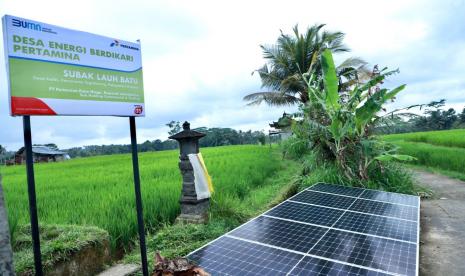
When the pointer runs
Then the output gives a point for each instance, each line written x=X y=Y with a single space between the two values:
x=340 y=125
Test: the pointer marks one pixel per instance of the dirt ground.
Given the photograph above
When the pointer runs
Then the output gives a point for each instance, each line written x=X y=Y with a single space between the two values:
x=442 y=239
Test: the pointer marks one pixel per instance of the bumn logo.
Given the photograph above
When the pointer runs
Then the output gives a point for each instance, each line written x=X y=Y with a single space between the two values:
x=26 y=25
x=138 y=109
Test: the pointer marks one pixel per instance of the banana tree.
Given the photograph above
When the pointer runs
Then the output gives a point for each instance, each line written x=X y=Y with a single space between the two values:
x=347 y=121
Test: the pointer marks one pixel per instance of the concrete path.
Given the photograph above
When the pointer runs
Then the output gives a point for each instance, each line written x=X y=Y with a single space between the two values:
x=121 y=270
x=442 y=239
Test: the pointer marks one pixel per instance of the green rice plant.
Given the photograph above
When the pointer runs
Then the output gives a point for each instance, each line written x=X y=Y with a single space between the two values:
x=447 y=138
x=441 y=150
x=447 y=158
x=99 y=191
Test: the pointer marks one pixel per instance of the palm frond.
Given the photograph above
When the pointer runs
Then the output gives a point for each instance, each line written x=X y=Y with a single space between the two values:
x=354 y=62
x=271 y=98
x=295 y=54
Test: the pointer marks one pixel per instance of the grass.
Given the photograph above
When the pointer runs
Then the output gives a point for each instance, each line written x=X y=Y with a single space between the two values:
x=394 y=178
x=437 y=151
x=178 y=239
x=99 y=191
x=57 y=242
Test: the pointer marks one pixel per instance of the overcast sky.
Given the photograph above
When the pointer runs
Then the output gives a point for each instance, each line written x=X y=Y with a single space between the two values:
x=198 y=57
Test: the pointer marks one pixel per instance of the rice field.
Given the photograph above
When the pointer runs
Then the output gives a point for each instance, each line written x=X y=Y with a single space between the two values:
x=99 y=191
x=444 y=150
x=447 y=138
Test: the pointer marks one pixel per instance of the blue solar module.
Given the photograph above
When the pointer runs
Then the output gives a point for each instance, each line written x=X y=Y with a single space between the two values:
x=327 y=200
x=336 y=189
x=385 y=209
x=285 y=234
x=324 y=230
x=228 y=256
x=314 y=266
x=390 y=197
x=306 y=213
x=379 y=226
x=387 y=255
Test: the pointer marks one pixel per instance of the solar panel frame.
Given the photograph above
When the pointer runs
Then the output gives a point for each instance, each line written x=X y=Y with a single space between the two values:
x=326 y=267
x=338 y=262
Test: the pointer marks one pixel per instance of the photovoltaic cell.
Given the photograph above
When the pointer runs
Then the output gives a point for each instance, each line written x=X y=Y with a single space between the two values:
x=306 y=213
x=387 y=255
x=385 y=209
x=391 y=197
x=285 y=234
x=379 y=226
x=336 y=189
x=329 y=200
x=228 y=256
x=314 y=266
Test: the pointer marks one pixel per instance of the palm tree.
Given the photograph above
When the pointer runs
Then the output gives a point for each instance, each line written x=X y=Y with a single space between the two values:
x=292 y=56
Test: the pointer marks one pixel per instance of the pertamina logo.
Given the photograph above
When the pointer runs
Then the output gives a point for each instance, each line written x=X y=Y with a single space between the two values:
x=138 y=109
x=116 y=43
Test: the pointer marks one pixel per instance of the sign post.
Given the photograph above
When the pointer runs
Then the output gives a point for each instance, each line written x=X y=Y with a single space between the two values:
x=31 y=191
x=140 y=216
x=58 y=71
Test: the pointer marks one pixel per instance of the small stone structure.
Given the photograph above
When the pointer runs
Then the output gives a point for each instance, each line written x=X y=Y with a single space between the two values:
x=6 y=253
x=283 y=127
x=192 y=210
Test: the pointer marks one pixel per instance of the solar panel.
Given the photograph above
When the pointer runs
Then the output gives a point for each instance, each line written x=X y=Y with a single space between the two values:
x=306 y=213
x=326 y=200
x=228 y=256
x=385 y=209
x=388 y=255
x=390 y=197
x=285 y=234
x=324 y=230
x=378 y=226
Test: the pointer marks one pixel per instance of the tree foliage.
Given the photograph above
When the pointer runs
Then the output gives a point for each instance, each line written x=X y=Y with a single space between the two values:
x=298 y=53
x=433 y=118
x=174 y=126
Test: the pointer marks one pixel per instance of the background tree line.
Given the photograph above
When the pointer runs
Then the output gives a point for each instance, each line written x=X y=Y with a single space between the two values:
x=433 y=118
x=215 y=137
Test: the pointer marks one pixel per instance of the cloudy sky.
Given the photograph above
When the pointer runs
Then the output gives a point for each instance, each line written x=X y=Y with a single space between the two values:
x=198 y=57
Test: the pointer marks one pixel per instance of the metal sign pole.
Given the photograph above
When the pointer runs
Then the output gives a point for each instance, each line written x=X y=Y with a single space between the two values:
x=32 y=195
x=140 y=217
